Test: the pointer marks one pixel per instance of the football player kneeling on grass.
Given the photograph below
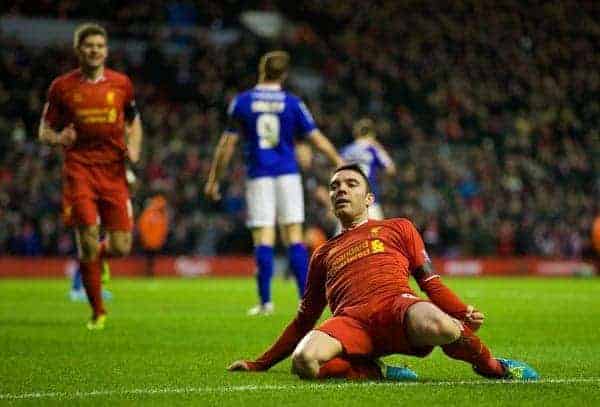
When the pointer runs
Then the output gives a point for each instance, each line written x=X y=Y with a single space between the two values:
x=363 y=274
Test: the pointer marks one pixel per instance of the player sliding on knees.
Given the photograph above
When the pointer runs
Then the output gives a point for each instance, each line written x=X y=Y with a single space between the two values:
x=363 y=275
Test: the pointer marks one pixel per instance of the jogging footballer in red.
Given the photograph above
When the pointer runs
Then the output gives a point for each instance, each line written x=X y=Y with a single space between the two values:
x=363 y=276
x=91 y=113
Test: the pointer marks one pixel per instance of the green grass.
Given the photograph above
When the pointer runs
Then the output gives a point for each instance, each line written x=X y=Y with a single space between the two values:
x=168 y=342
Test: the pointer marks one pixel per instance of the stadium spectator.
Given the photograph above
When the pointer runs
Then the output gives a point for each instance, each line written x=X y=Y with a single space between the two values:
x=269 y=120
x=91 y=114
x=153 y=228
x=362 y=274
x=504 y=97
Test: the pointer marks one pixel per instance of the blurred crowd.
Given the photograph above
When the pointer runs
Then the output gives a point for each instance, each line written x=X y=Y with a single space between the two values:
x=490 y=110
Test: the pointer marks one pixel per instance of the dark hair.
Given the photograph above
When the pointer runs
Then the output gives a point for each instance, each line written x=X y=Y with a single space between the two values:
x=356 y=168
x=273 y=65
x=85 y=30
x=365 y=127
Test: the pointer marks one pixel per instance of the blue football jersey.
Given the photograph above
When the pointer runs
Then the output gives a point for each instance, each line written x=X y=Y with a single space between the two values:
x=370 y=159
x=270 y=119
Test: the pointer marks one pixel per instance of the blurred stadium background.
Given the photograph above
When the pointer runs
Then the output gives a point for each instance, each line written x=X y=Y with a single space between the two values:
x=491 y=111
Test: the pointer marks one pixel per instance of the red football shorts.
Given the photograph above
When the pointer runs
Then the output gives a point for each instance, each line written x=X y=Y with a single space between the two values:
x=94 y=194
x=376 y=329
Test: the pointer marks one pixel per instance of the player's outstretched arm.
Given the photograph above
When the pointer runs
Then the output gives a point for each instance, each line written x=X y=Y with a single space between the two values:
x=221 y=158
x=312 y=306
x=244 y=366
x=322 y=143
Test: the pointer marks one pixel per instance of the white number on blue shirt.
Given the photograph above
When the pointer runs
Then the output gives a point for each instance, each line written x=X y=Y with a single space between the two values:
x=267 y=129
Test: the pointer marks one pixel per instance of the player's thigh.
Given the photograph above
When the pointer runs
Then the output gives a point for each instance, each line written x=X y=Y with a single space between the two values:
x=351 y=333
x=260 y=202
x=291 y=233
x=114 y=204
x=87 y=238
x=263 y=236
x=290 y=199
x=317 y=346
x=119 y=242
x=79 y=207
x=427 y=325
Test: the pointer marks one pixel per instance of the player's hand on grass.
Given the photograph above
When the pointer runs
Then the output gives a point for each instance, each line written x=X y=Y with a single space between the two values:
x=474 y=318
x=211 y=190
x=67 y=136
x=243 y=366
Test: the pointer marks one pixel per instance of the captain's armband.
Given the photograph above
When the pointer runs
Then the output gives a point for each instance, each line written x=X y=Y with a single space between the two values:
x=424 y=272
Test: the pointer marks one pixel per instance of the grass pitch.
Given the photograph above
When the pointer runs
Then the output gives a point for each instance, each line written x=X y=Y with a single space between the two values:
x=167 y=342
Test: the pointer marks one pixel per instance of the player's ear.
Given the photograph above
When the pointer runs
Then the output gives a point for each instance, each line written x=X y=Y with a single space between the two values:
x=370 y=198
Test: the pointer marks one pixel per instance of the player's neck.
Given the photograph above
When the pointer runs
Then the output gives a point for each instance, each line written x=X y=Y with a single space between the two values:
x=92 y=74
x=356 y=222
x=269 y=84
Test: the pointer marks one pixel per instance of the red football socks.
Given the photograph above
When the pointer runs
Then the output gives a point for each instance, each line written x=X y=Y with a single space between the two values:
x=90 y=275
x=351 y=369
x=471 y=349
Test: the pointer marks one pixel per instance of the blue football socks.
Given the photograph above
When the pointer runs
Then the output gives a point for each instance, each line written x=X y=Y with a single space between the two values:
x=264 y=261
x=298 y=256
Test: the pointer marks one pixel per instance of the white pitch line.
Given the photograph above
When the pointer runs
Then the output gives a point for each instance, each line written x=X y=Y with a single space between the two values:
x=308 y=386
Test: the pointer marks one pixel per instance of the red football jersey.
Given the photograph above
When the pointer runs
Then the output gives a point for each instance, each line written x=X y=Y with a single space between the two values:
x=97 y=109
x=364 y=265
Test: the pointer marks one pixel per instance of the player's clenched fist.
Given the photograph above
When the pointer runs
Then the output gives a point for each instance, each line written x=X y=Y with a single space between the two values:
x=67 y=136
x=243 y=366
x=474 y=318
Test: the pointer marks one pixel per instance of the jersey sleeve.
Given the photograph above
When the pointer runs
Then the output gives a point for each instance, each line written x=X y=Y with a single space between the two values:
x=305 y=121
x=430 y=283
x=130 y=107
x=412 y=243
x=312 y=306
x=53 y=114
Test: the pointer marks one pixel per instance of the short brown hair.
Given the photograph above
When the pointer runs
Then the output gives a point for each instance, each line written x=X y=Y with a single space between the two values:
x=356 y=168
x=85 y=30
x=274 y=65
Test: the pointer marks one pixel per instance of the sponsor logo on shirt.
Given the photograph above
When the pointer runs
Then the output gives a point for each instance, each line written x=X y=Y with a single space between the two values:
x=354 y=253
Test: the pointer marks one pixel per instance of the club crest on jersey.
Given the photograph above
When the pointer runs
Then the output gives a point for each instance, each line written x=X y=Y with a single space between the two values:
x=375 y=231
x=110 y=97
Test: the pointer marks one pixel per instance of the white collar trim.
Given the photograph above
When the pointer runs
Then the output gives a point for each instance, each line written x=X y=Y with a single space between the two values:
x=267 y=86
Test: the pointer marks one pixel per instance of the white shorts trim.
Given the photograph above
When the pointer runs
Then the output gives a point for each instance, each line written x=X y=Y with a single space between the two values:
x=273 y=200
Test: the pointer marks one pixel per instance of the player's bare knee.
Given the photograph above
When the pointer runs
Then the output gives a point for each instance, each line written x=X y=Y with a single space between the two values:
x=444 y=329
x=304 y=364
x=89 y=249
x=121 y=248
x=120 y=245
